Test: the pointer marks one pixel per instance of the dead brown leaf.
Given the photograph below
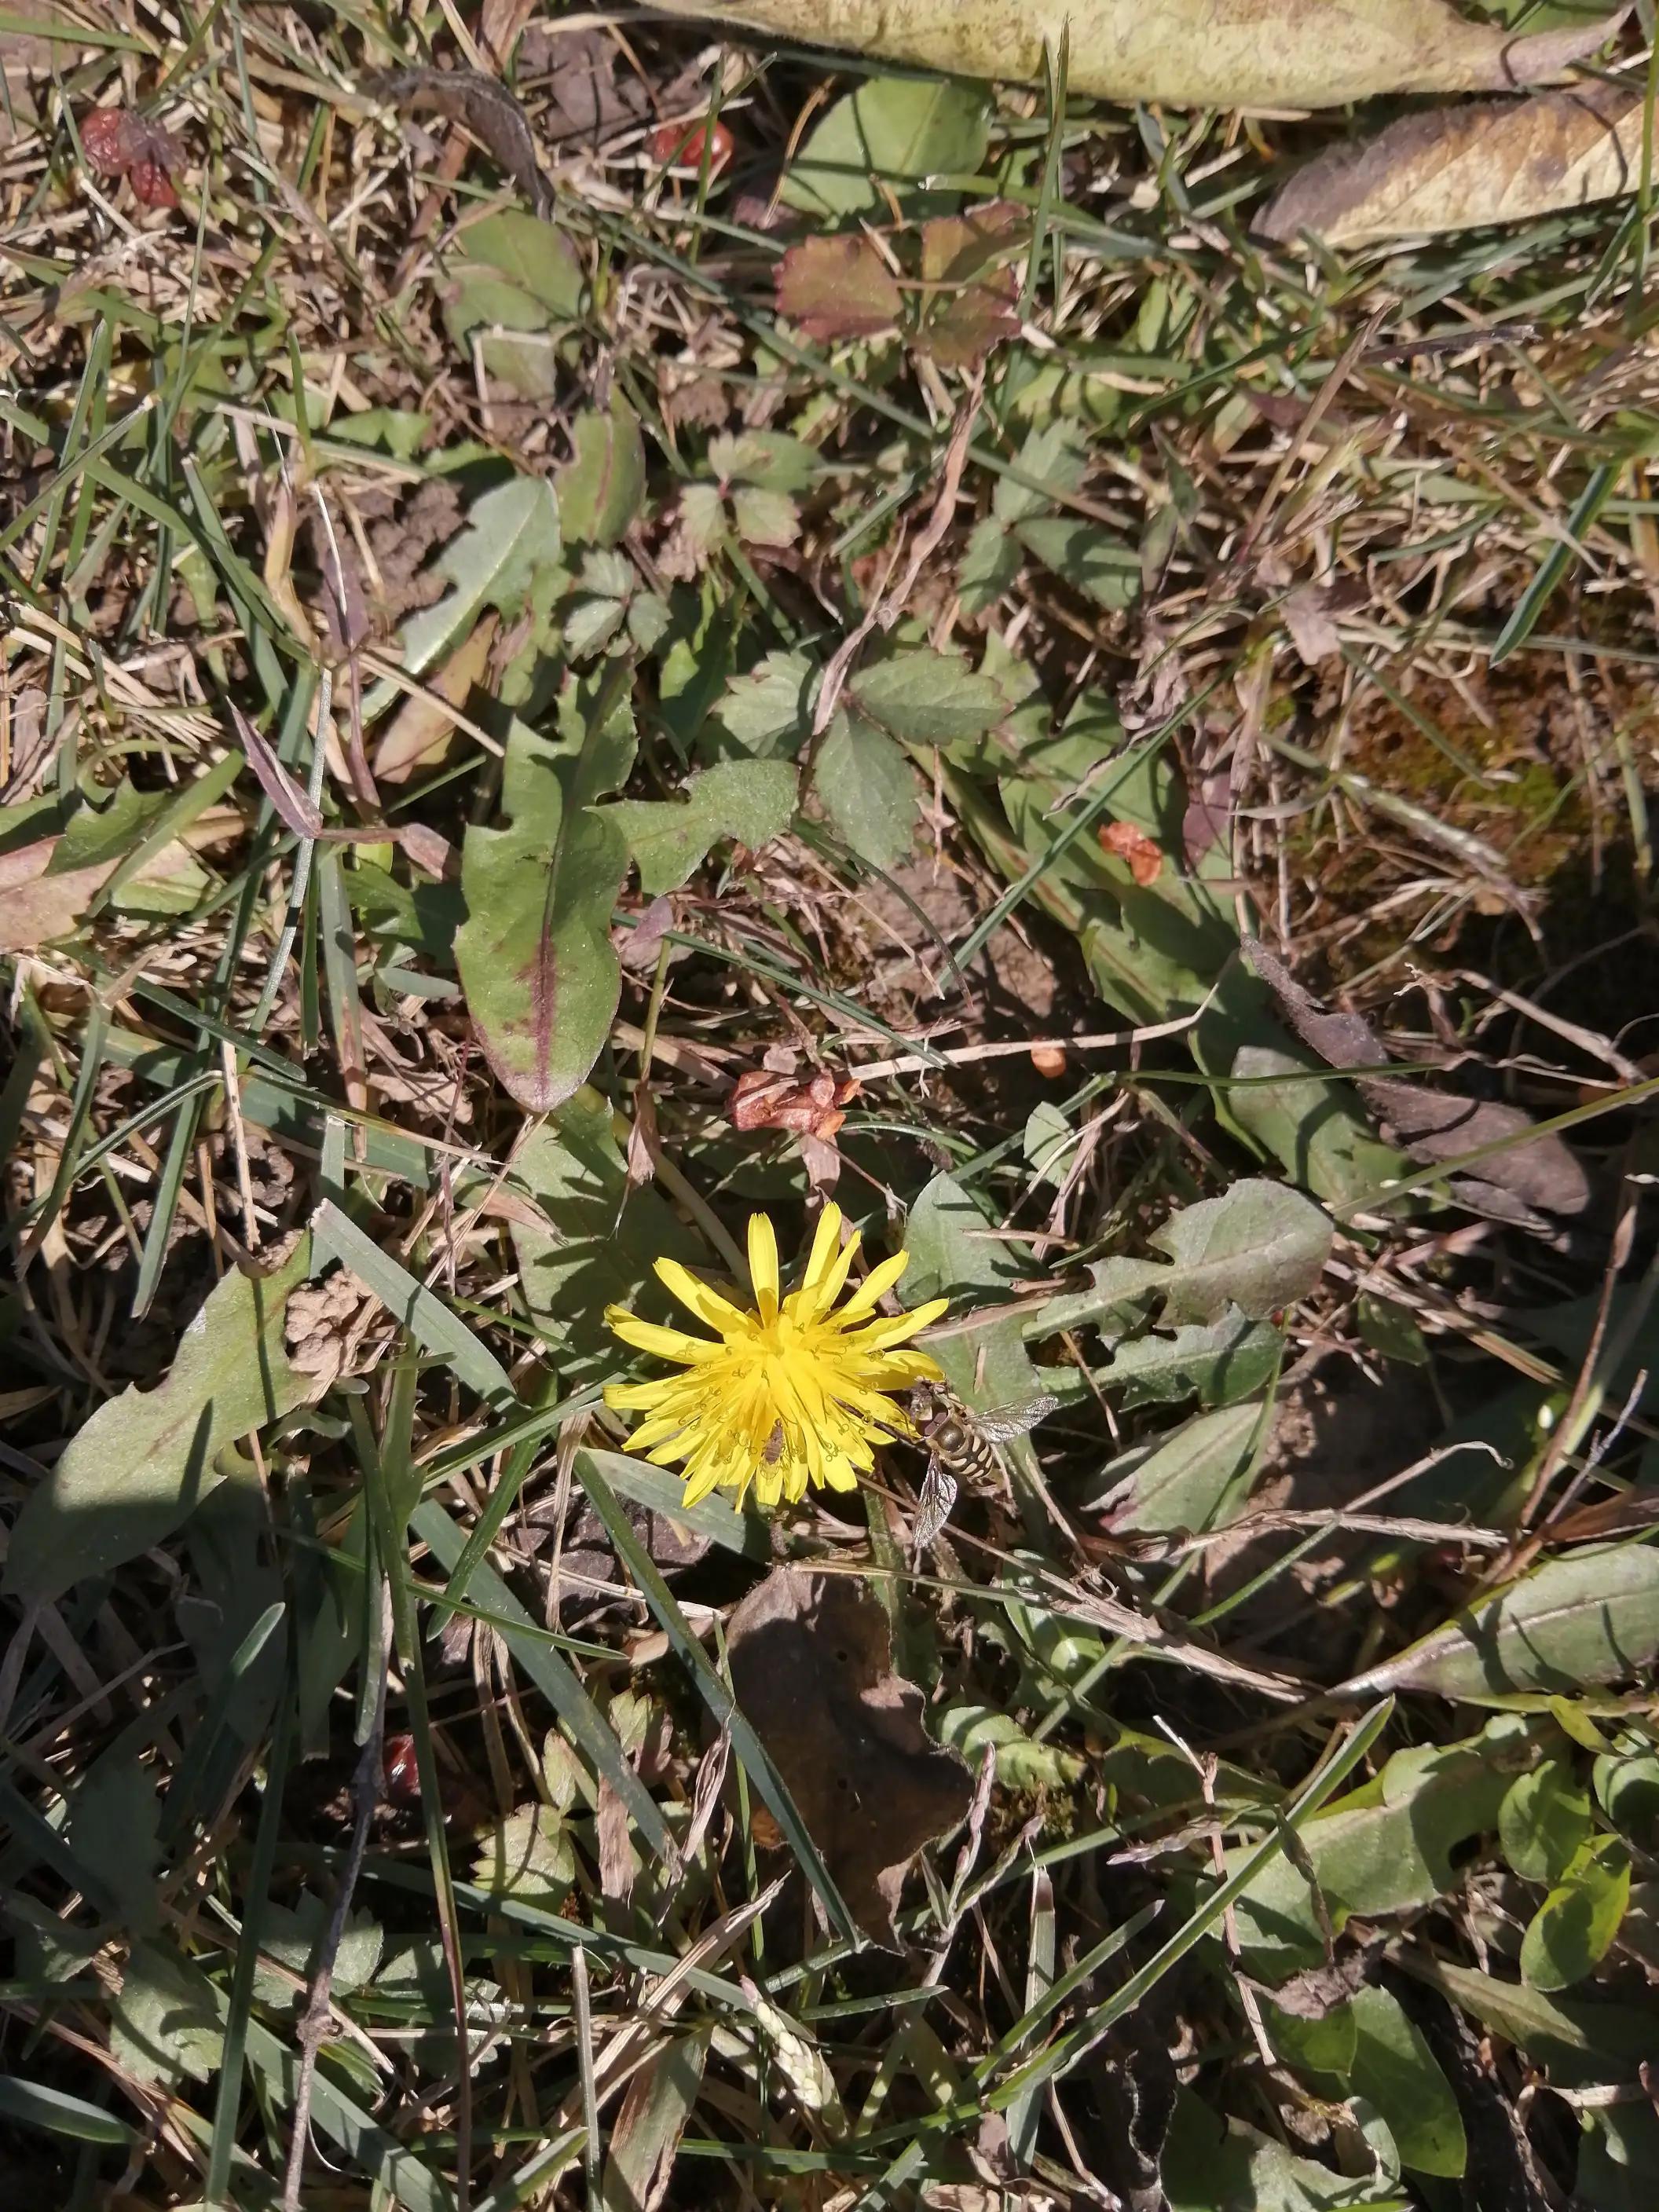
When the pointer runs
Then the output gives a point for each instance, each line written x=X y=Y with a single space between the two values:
x=1454 y=168
x=812 y=1668
x=1135 y=848
x=36 y=907
x=764 y=1099
x=838 y=287
x=1434 y=1125
x=420 y=733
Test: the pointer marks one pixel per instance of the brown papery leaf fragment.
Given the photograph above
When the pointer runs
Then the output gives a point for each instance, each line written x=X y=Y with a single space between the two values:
x=978 y=306
x=1191 y=53
x=811 y=1669
x=1134 y=847
x=763 y=1099
x=1456 y=168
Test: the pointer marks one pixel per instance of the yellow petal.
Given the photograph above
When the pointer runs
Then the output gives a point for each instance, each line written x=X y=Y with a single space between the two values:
x=839 y=1475
x=711 y=1308
x=875 y=1286
x=827 y=1259
x=763 y=1263
x=698 y=1486
x=876 y=1335
x=637 y=1397
x=662 y=1343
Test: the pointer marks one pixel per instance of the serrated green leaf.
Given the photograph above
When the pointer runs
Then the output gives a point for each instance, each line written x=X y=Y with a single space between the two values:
x=292 y=1937
x=1086 y=555
x=868 y=790
x=528 y=1856
x=762 y=517
x=138 y=1468
x=892 y=130
x=750 y=801
x=990 y=566
x=165 y=2023
x=769 y=710
x=1056 y=457
x=1219 y=1362
x=541 y=976
x=927 y=698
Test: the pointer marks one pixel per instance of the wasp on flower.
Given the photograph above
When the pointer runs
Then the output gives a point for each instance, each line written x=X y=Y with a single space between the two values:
x=793 y=1391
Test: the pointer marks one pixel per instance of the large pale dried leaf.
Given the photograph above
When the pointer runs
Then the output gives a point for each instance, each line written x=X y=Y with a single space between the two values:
x=1195 y=53
x=143 y=1463
x=1451 y=168
x=36 y=907
x=811 y=1669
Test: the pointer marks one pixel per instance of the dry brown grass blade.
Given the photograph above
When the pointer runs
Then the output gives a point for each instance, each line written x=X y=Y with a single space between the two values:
x=1191 y=53
x=1456 y=168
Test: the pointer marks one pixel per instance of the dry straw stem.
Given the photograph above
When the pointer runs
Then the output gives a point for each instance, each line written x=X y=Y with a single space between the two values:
x=1456 y=168
x=1188 y=53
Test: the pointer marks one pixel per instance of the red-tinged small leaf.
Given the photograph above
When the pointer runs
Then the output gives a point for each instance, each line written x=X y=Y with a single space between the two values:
x=838 y=287
x=680 y=145
x=974 y=306
x=116 y=140
x=1126 y=842
x=152 y=184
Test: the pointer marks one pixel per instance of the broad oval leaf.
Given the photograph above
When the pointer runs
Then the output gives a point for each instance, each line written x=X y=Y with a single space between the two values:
x=144 y=1461
x=1592 y=1616
x=1573 y=1929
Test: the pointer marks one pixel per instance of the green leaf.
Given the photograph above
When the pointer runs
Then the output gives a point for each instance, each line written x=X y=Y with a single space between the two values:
x=166 y=2022
x=1395 y=2070
x=772 y=461
x=602 y=487
x=989 y=566
x=867 y=790
x=511 y=538
x=1580 y=2043
x=293 y=1938
x=1309 y=1122
x=750 y=801
x=1218 y=1363
x=528 y=1856
x=1198 y=1477
x=140 y=1466
x=1386 y=1848
x=33 y=2104
x=1048 y=1142
x=422 y=1312
x=1056 y=458
x=761 y=517
x=541 y=976
x=531 y=252
x=602 y=1234
x=768 y=711
x=893 y=128
x=1260 y=1246
x=1543 y=1821
x=1086 y=555
x=1589 y=1616
x=1571 y=1931
x=1210 y=2162
x=114 y=1824
x=927 y=698
x=660 y=1490
x=1023 y=1762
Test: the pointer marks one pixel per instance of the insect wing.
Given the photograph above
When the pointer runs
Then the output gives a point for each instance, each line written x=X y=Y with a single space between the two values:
x=1000 y=1424
x=939 y=1495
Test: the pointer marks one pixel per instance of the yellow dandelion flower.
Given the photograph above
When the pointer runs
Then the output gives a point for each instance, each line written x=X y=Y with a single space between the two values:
x=791 y=1392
